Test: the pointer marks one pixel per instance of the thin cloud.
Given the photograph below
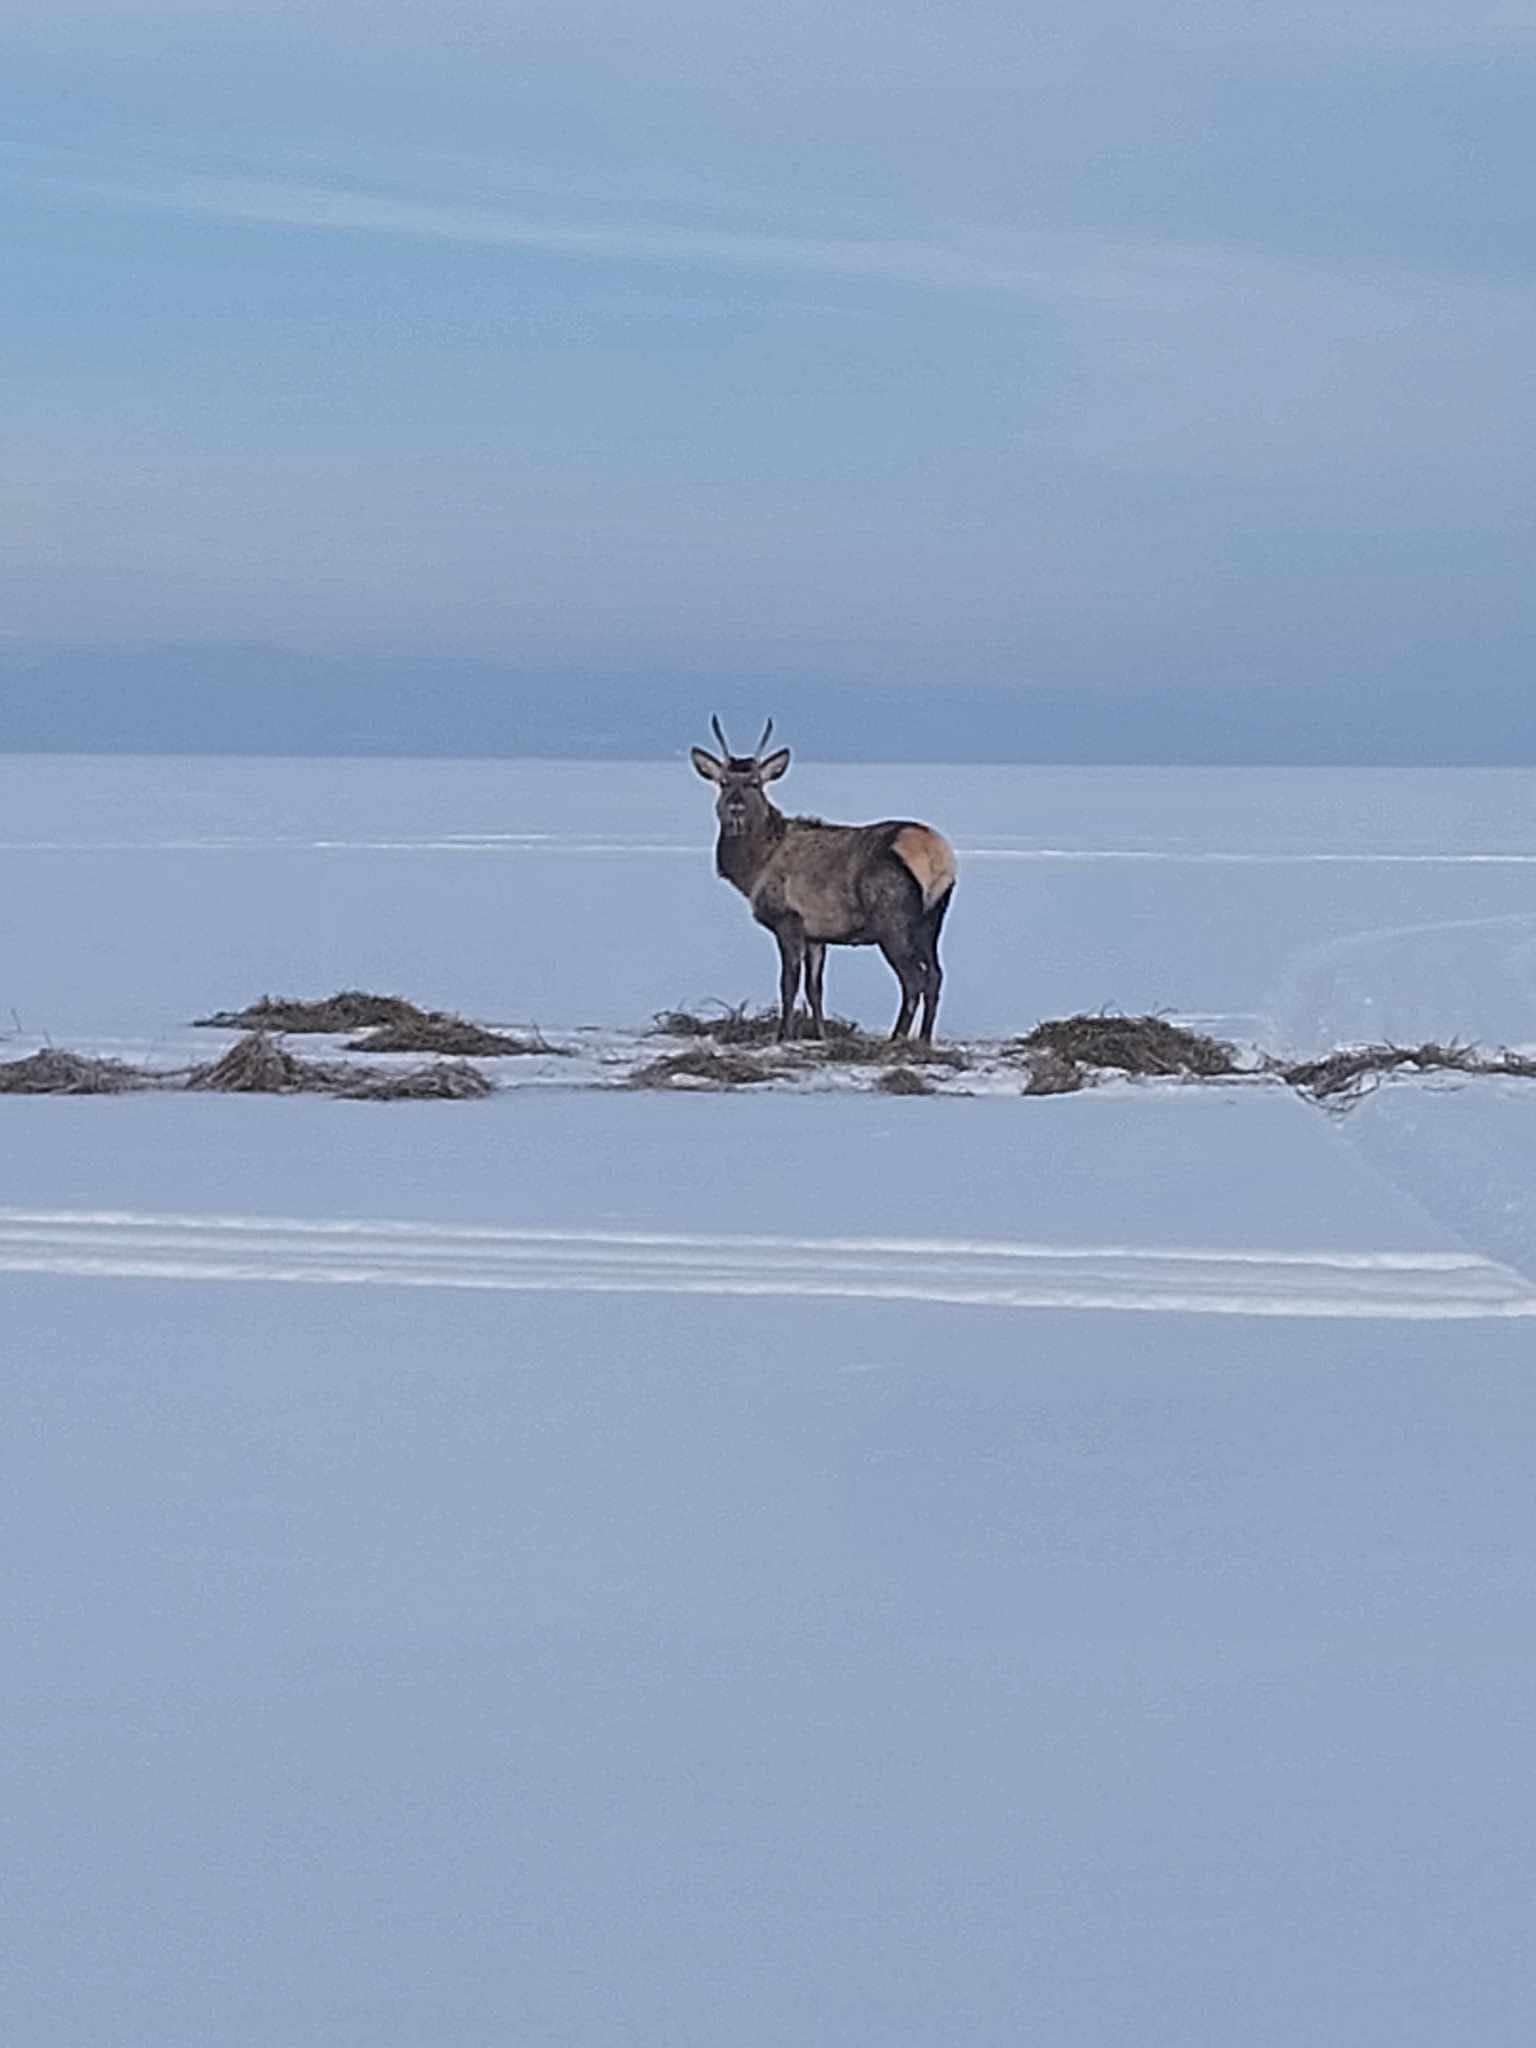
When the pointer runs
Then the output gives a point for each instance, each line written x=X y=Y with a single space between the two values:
x=929 y=264
x=1042 y=265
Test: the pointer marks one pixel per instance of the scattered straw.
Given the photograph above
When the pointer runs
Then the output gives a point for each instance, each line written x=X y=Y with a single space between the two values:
x=739 y=1027
x=1342 y=1078
x=734 y=1047
x=71 y=1073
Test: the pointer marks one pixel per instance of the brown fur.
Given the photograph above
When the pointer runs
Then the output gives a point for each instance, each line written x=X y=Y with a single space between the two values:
x=817 y=871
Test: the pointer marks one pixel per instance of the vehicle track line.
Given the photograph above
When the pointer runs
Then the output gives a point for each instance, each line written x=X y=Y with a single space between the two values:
x=984 y=1273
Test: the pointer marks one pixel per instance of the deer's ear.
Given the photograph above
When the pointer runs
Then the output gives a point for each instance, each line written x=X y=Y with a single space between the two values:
x=771 y=769
x=706 y=764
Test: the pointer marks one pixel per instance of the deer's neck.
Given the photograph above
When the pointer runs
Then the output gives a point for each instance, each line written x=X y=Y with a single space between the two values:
x=740 y=857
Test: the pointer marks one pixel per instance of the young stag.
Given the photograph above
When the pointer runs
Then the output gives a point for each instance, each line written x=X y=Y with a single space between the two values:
x=816 y=885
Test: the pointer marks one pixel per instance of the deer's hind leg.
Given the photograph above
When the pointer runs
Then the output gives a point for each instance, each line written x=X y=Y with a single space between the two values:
x=933 y=924
x=900 y=928
x=911 y=971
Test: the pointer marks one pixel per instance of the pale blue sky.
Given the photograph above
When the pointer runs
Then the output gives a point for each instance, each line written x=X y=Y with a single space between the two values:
x=1098 y=345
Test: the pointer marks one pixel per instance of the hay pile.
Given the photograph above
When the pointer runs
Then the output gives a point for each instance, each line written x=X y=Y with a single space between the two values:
x=386 y=1024
x=71 y=1073
x=1131 y=1045
x=456 y=1036
x=258 y=1065
x=352 y=1009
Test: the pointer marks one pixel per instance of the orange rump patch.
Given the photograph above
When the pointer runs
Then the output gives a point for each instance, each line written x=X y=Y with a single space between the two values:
x=929 y=858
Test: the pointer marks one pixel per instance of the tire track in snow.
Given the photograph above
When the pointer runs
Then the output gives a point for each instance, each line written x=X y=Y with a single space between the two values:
x=986 y=1273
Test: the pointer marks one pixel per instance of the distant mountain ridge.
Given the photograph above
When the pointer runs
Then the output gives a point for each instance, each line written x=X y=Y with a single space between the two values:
x=249 y=700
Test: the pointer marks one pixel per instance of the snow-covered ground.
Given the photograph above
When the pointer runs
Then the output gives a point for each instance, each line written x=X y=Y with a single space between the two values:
x=593 y=1568
x=141 y=894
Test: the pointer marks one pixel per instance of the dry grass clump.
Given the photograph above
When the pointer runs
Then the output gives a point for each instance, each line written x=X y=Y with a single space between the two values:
x=387 y=1024
x=258 y=1065
x=71 y=1073
x=1132 y=1045
x=737 y=1024
x=706 y=1066
x=904 y=1081
x=1342 y=1078
x=439 y=1033
x=351 y=1009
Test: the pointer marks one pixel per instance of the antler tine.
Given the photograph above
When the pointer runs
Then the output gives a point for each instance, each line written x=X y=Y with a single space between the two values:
x=767 y=736
x=725 y=745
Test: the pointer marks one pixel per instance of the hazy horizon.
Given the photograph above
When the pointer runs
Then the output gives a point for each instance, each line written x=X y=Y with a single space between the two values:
x=242 y=700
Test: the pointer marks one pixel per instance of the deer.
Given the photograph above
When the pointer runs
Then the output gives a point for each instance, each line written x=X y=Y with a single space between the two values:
x=815 y=885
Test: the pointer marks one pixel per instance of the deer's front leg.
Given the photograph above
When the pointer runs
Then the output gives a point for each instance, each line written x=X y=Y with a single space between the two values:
x=815 y=969
x=791 y=937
